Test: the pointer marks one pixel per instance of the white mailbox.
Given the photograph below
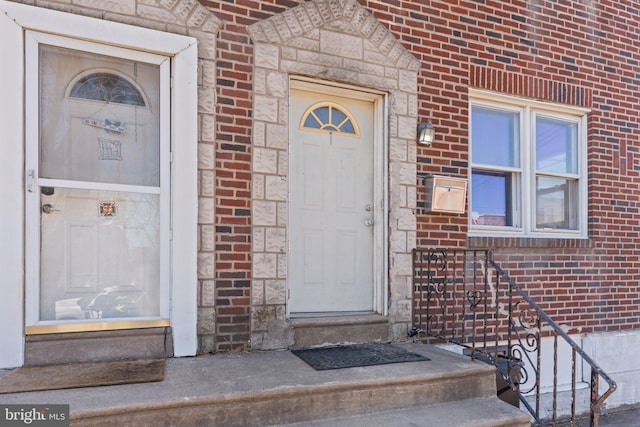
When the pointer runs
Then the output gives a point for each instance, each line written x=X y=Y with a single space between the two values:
x=445 y=194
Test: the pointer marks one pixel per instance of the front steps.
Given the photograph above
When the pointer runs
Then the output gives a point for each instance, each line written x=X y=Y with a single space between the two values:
x=278 y=388
x=481 y=412
x=333 y=330
x=99 y=346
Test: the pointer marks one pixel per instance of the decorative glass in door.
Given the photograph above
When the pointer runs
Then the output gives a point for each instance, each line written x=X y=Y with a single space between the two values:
x=99 y=178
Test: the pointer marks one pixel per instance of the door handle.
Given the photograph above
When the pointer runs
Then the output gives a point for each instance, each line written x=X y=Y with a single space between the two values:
x=48 y=208
x=368 y=222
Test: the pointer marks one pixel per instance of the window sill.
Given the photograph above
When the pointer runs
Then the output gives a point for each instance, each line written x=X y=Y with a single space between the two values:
x=492 y=242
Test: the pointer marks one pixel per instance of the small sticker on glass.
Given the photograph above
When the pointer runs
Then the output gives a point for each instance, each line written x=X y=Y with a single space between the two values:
x=109 y=149
x=107 y=209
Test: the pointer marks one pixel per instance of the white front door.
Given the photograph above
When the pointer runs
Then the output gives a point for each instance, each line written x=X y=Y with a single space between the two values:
x=332 y=203
x=97 y=193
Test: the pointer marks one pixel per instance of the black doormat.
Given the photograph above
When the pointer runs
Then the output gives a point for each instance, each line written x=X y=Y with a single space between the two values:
x=350 y=356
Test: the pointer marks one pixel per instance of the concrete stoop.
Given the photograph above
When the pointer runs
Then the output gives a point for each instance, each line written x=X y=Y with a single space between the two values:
x=483 y=412
x=278 y=388
x=331 y=330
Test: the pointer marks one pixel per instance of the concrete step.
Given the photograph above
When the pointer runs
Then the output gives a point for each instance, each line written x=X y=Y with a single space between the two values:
x=47 y=349
x=331 y=330
x=276 y=388
x=484 y=412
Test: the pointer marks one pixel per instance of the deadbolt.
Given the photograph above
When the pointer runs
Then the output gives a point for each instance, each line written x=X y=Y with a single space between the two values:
x=47 y=191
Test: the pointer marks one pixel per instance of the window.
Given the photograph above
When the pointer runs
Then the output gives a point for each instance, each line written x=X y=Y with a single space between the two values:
x=528 y=168
x=107 y=87
x=329 y=117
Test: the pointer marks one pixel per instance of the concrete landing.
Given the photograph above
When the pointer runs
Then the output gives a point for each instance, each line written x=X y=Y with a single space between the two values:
x=466 y=413
x=276 y=388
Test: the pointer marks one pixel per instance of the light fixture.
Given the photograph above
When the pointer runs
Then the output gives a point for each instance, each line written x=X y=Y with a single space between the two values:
x=426 y=133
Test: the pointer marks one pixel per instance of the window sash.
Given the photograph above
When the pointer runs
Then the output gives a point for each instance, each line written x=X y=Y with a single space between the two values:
x=553 y=153
x=496 y=135
x=556 y=203
x=494 y=194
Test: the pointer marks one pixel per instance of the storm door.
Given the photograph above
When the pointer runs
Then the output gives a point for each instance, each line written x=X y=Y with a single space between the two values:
x=96 y=184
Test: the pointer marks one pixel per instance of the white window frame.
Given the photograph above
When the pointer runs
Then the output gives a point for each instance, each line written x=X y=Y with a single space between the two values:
x=15 y=20
x=524 y=195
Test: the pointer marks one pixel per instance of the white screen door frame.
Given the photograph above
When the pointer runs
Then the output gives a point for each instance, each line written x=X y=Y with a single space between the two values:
x=35 y=182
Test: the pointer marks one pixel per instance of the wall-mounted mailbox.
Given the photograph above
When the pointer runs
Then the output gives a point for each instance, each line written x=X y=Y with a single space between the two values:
x=444 y=194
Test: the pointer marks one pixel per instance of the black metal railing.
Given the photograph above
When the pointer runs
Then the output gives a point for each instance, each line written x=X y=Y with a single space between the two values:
x=463 y=297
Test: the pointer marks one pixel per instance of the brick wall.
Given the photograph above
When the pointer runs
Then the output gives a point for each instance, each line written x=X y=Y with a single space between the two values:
x=575 y=52
x=228 y=295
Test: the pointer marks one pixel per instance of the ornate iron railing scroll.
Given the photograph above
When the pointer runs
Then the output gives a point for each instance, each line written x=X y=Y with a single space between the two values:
x=463 y=297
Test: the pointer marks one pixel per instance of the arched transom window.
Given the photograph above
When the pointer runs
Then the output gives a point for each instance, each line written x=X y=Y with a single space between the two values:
x=329 y=117
x=107 y=87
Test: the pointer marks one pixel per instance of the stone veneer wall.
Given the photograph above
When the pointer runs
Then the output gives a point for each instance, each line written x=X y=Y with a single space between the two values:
x=331 y=40
x=190 y=18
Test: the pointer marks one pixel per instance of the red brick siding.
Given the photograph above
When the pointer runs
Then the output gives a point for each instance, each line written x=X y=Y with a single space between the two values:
x=575 y=52
x=233 y=177
x=561 y=52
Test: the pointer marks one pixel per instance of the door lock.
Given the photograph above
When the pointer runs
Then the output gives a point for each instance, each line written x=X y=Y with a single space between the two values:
x=48 y=208
x=47 y=191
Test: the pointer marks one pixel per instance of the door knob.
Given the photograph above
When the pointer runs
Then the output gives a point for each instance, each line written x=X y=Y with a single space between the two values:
x=368 y=222
x=48 y=208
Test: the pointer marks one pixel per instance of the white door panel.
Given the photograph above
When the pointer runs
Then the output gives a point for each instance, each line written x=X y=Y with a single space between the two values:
x=331 y=265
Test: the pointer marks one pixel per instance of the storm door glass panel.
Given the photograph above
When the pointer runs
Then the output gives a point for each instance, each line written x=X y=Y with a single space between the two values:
x=100 y=255
x=97 y=122
x=99 y=181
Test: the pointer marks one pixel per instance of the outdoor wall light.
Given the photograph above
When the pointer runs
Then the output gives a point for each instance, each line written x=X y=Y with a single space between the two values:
x=426 y=133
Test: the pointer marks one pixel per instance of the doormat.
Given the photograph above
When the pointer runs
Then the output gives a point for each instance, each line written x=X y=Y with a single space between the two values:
x=83 y=374
x=351 y=356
